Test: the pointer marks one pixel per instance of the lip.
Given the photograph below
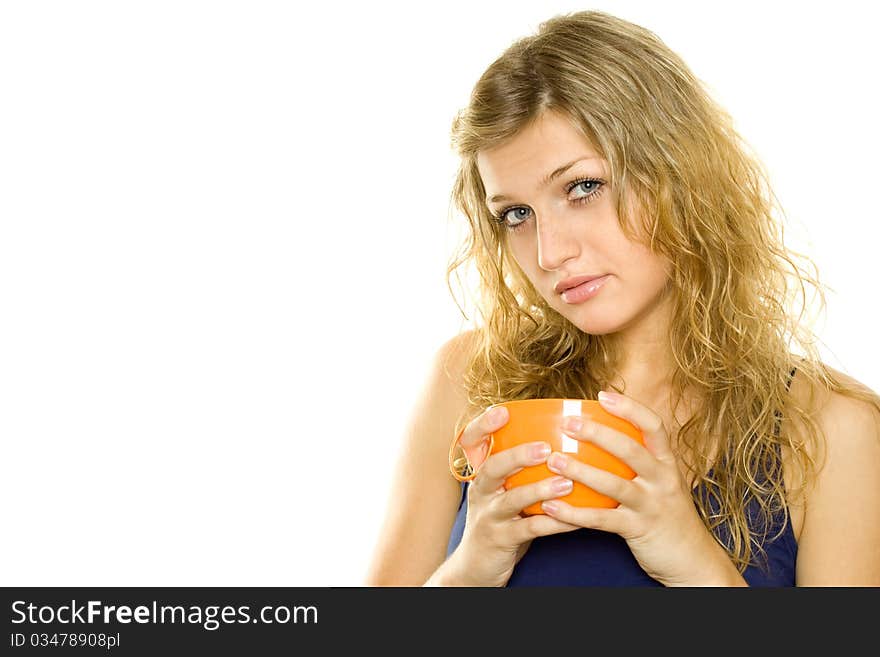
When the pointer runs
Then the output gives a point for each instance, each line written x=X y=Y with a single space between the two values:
x=574 y=281
x=584 y=291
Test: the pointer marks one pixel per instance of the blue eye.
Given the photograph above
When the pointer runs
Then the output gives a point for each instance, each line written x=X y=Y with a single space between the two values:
x=593 y=186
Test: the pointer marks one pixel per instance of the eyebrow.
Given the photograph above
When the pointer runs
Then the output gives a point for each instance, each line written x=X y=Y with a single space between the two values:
x=550 y=178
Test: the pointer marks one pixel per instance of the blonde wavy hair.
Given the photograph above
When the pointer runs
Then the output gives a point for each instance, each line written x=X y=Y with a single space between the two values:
x=707 y=206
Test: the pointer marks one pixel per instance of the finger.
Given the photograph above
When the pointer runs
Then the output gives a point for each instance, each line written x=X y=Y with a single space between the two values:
x=651 y=424
x=513 y=501
x=608 y=520
x=617 y=488
x=526 y=529
x=630 y=451
x=479 y=428
x=501 y=465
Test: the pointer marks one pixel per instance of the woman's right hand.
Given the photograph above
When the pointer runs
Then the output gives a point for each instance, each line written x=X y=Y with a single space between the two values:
x=496 y=535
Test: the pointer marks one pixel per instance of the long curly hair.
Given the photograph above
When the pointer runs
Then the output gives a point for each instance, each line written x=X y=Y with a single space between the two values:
x=740 y=309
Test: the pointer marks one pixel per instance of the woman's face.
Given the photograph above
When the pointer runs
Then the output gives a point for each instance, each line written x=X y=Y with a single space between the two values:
x=568 y=228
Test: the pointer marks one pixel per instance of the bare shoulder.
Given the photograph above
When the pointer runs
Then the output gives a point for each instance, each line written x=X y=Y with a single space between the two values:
x=848 y=424
x=424 y=497
x=841 y=522
x=446 y=379
x=851 y=432
x=454 y=353
x=848 y=412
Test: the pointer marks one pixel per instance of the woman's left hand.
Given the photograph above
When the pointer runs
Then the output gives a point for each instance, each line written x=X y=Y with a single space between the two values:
x=656 y=515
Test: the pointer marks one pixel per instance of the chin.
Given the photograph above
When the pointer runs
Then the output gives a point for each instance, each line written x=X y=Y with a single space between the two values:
x=598 y=328
x=595 y=323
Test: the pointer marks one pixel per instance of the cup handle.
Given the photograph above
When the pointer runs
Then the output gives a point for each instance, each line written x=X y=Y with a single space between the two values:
x=475 y=455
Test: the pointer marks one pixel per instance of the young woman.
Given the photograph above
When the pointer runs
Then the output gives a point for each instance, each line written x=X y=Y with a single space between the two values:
x=590 y=152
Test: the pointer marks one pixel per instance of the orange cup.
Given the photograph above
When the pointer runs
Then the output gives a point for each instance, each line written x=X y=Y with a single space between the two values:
x=541 y=419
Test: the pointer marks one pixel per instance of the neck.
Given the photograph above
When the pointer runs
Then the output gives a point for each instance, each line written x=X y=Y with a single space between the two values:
x=644 y=373
x=645 y=367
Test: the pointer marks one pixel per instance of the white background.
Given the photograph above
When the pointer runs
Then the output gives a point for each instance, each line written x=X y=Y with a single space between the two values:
x=224 y=228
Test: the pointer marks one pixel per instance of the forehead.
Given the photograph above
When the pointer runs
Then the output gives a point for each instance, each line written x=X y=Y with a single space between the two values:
x=534 y=153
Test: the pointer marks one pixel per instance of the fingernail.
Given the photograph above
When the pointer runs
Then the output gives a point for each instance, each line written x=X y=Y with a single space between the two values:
x=498 y=413
x=540 y=451
x=556 y=463
x=572 y=424
x=561 y=485
x=549 y=507
x=607 y=398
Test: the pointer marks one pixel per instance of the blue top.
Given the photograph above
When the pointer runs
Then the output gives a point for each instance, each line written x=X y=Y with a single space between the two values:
x=592 y=557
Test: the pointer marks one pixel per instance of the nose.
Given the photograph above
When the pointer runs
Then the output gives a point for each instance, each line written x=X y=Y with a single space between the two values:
x=556 y=243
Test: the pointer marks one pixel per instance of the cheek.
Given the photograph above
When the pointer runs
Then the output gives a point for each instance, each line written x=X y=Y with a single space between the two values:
x=653 y=272
x=523 y=255
x=642 y=269
x=652 y=280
